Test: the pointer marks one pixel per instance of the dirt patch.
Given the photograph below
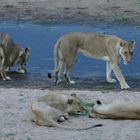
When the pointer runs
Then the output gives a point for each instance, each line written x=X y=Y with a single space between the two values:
x=54 y=11
x=15 y=123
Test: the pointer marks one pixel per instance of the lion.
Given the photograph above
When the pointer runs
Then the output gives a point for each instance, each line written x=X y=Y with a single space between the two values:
x=118 y=109
x=63 y=102
x=53 y=108
x=11 y=54
x=109 y=48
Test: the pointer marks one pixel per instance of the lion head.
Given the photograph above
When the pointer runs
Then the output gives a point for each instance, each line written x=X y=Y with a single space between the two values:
x=23 y=56
x=22 y=59
x=126 y=51
x=74 y=105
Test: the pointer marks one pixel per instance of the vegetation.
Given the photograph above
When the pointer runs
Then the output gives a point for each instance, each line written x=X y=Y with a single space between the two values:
x=122 y=18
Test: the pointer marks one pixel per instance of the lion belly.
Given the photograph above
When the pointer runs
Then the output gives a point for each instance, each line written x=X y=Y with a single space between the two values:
x=120 y=110
x=89 y=54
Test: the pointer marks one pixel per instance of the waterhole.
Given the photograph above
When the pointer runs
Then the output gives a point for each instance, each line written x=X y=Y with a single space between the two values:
x=87 y=72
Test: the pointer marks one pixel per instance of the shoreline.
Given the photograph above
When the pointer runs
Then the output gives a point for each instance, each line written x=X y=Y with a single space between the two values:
x=37 y=81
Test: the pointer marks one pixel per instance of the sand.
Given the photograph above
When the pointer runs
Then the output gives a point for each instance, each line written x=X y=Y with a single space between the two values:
x=15 y=103
x=16 y=125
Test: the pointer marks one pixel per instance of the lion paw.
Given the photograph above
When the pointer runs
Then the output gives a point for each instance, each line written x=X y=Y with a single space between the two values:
x=112 y=80
x=20 y=70
x=8 y=78
x=72 y=82
x=125 y=86
x=61 y=119
x=58 y=81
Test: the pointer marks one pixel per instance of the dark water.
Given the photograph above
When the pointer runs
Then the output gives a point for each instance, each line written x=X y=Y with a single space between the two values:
x=88 y=73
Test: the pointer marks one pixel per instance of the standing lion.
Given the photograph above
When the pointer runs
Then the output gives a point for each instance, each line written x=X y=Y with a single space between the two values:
x=11 y=54
x=109 y=48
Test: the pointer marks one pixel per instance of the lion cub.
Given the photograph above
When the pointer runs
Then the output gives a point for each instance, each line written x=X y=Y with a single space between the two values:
x=119 y=109
x=50 y=109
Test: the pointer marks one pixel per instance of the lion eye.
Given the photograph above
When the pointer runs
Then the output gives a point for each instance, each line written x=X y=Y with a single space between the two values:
x=125 y=53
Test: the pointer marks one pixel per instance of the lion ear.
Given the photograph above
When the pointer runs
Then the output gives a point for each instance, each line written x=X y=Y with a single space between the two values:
x=122 y=43
x=27 y=50
x=98 y=102
x=74 y=95
x=133 y=44
x=70 y=101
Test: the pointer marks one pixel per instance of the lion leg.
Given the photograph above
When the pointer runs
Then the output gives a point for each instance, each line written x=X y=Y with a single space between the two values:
x=66 y=116
x=1 y=72
x=58 y=71
x=2 y=75
x=2 y=68
x=2 y=64
x=4 y=72
x=119 y=76
x=8 y=69
x=108 y=72
x=66 y=74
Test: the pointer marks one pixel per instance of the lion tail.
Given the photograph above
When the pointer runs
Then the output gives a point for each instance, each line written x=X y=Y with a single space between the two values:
x=56 y=47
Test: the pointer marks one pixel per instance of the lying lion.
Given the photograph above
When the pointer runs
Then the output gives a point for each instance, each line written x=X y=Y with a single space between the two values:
x=105 y=47
x=50 y=109
x=11 y=54
x=119 y=109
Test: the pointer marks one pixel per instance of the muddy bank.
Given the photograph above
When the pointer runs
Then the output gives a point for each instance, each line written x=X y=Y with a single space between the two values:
x=41 y=81
x=54 y=11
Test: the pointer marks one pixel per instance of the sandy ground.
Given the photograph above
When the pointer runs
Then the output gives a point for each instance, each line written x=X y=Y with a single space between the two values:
x=15 y=123
x=14 y=103
x=85 y=11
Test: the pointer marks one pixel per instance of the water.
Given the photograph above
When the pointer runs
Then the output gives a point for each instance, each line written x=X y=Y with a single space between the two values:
x=89 y=73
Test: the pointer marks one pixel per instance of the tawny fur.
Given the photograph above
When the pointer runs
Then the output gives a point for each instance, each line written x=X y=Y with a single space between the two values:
x=11 y=54
x=105 y=47
x=119 y=109
x=50 y=109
